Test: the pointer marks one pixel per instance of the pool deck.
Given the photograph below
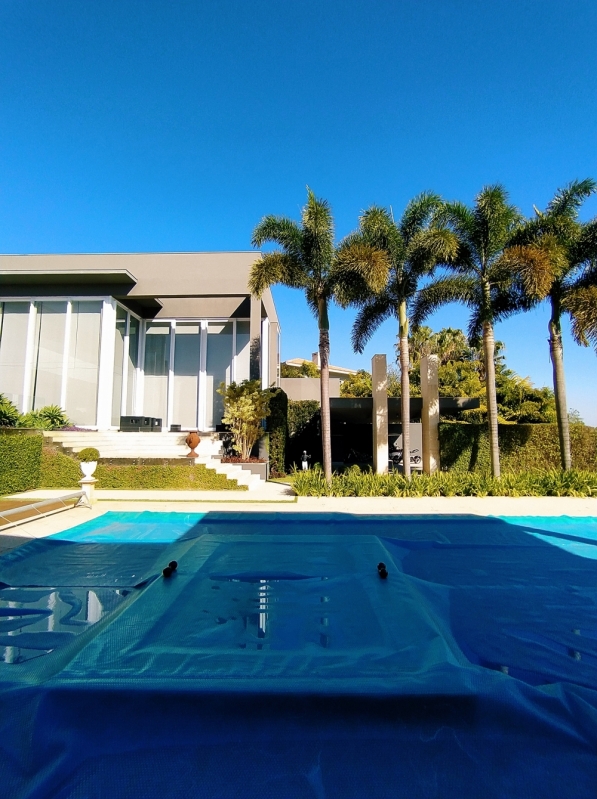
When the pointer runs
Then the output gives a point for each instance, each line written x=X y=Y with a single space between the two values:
x=278 y=499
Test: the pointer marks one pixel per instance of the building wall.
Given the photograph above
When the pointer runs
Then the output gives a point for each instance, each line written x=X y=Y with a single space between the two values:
x=308 y=388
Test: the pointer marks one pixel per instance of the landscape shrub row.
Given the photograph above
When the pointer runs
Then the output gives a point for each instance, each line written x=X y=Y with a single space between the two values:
x=277 y=427
x=523 y=447
x=62 y=471
x=20 y=462
x=356 y=483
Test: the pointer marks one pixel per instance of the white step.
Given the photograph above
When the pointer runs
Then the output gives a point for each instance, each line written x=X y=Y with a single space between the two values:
x=235 y=472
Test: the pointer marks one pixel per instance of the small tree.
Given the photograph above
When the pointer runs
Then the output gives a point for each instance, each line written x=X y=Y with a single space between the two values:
x=245 y=406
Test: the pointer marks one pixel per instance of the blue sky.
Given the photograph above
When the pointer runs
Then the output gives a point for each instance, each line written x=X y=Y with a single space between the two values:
x=151 y=125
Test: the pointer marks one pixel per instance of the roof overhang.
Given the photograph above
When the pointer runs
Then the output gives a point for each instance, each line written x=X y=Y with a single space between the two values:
x=84 y=277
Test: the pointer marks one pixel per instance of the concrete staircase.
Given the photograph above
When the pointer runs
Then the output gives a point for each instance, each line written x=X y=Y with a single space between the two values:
x=113 y=444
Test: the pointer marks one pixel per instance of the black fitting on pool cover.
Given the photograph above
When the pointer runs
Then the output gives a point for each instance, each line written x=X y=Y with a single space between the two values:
x=382 y=571
x=167 y=571
x=173 y=565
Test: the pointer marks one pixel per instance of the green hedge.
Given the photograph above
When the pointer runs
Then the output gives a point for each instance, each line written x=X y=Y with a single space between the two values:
x=277 y=426
x=523 y=447
x=20 y=461
x=356 y=483
x=62 y=471
x=300 y=414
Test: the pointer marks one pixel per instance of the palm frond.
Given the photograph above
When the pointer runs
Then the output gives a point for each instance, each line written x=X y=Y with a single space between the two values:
x=318 y=234
x=581 y=304
x=584 y=248
x=378 y=229
x=275 y=267
x=279 y=230
x=432 y=246
x=459 y=218
x=369 y=318
x=537 y=265
x=418 y=214
x=495 y=221
x=358 y=271
x=441 y=292
x=567 y=201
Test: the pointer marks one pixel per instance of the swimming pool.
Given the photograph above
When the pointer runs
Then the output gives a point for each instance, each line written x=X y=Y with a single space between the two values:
x=276 y=662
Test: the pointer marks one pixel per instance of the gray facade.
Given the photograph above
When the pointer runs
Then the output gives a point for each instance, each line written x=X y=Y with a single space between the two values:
x=152 y=334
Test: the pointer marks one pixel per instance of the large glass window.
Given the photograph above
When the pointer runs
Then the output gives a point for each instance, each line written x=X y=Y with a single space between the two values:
x=187 y=350
x=119 y=354
x=48 y=354
x=83 y=362
x=218 y=368
x=14 y=320
x=242 y=369
x=157 y=364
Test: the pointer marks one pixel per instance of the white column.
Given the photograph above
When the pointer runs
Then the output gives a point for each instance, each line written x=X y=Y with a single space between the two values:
x=379 y=376
x=265 y=354
x=170 y=410
x=65 y=352
x=139 y=394
x=106 y=365
x=125 y=366
x=430 y=413
x=201 y=422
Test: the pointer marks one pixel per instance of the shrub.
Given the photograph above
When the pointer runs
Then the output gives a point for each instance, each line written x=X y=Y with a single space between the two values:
x=54 y=416
x=355 y=483
x=277 y=426
x=88 y=455
x=33 y=421
x=523 y=447
x=20 y=462
x=300 y=414
x=245 y=407
x=62 y=471
x=9 y=415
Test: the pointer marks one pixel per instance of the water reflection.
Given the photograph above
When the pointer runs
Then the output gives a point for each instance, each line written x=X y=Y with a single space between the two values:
x=266 y=606
x=36 y=621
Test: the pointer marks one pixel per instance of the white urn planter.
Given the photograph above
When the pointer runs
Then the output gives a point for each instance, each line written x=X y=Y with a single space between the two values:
x=88 y=467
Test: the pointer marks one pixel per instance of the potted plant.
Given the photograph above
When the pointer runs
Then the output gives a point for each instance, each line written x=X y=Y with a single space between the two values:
x=88 y=458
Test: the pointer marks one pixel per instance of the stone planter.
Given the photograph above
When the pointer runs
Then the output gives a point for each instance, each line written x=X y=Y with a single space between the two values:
x=88 y=468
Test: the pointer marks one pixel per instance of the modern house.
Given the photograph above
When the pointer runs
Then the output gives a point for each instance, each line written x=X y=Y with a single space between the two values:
x=153 y=334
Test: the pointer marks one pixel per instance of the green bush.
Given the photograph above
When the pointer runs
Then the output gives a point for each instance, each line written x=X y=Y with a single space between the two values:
x=246 y=405
x=523 y=447
x=9 y=415
x=88 y=455
x=20 y=462
x=62 y=471
x=277 y=426
x=355 y=483
x=54 y=416
x=300 y=414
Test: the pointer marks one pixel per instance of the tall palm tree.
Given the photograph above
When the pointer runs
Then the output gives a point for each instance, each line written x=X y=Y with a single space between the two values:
x=480 y=280
x=556 y=257
x=412 y=247
x=309 y=260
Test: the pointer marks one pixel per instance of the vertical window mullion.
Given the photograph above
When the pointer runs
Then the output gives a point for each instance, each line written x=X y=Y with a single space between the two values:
x=125 y=366
x=29 y=351
x=65 y=353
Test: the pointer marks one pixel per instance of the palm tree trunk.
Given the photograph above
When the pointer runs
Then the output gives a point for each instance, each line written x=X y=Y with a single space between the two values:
x=404 y=389
x=556 y=352
x=324 y=364
x=492 y=416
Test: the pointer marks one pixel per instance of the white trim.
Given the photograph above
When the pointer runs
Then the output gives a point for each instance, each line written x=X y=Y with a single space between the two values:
x=233 y=362
x=65 y=353
x=29 y=350
x=105 y=379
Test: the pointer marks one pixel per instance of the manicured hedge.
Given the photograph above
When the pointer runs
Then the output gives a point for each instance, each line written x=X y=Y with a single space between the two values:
x=355 y=483
x=277 y=426
x=62 y=471
x=301 y=413
x=20 y=461
x=523 y=447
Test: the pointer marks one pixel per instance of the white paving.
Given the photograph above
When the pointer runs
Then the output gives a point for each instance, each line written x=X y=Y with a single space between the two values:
x=279 y=502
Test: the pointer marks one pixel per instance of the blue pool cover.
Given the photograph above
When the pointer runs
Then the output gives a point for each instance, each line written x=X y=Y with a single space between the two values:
x=276 y=663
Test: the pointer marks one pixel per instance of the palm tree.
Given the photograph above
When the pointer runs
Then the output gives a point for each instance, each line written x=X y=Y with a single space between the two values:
x=556 y=257
x=480 y=280
x=308 y=260
x=412 y=248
